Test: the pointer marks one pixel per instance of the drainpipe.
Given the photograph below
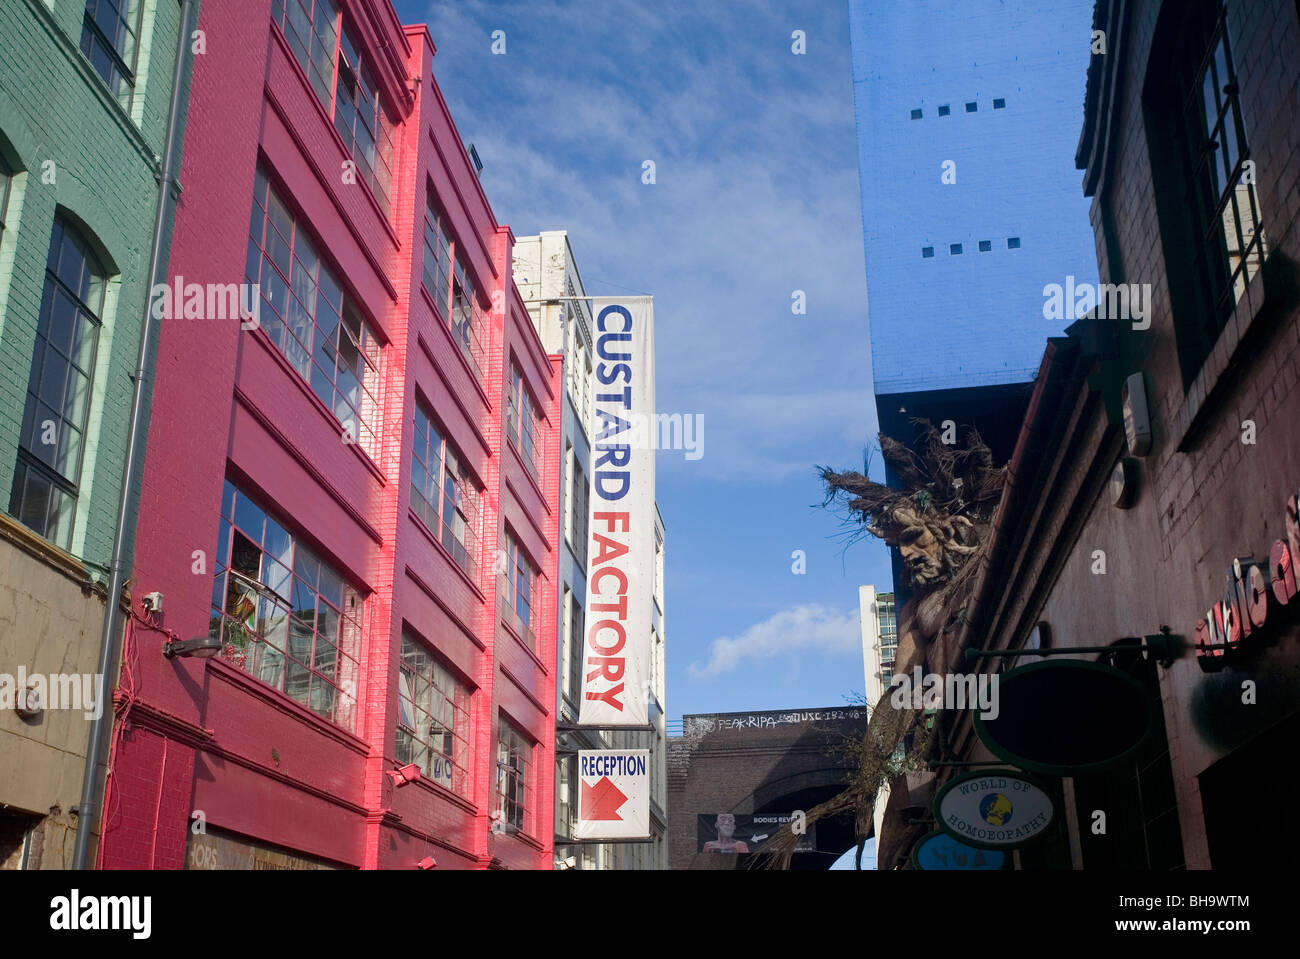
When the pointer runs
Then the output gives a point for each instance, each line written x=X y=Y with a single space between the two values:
x=108 y=651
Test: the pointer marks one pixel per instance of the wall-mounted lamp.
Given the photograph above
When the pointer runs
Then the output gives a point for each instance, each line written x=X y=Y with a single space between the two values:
x=27 y=702
x=406 y=774
x=204 y=647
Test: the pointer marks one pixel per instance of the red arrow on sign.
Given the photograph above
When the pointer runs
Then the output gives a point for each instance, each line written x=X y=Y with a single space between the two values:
x=600 y=800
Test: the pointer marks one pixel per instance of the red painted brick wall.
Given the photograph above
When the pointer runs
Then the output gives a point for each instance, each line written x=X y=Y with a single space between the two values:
x=204 y=734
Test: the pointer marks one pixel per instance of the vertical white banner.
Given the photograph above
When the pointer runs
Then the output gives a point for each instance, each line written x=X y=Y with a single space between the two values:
x=621 y=522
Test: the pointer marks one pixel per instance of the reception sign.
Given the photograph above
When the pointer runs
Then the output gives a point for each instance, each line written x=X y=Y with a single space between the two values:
x=995 y=810
x=621 y=524
x=613 y=794
x=1065 y=717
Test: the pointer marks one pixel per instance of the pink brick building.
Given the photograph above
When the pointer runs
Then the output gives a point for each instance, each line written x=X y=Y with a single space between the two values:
x=357 y=497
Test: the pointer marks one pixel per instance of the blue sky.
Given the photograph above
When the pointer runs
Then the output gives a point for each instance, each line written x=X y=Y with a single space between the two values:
x=756 y=196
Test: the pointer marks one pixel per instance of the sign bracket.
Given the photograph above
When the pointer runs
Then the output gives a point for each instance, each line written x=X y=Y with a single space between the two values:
x=1164 y=647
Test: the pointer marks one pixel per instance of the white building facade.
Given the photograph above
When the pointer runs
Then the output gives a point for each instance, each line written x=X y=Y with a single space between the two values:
x=879 y=650
x=549 y=281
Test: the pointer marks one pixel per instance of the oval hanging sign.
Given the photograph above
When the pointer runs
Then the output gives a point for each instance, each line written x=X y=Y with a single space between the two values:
x=1065 y=717
x=938 y=850
x=994 y=810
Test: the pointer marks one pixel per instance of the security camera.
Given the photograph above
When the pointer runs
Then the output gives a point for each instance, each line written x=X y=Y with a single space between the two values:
x=152 y=602
x=428 y=862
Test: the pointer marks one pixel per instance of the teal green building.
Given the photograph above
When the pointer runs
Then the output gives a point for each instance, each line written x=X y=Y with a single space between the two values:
x=85 y=92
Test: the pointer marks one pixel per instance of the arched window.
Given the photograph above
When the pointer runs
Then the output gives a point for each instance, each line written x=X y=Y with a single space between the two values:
x=47 y=475
x=6 y=183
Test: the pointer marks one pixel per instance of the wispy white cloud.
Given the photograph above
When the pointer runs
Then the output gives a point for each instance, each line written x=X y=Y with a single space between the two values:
x=756 y=196
x=800 y=629
x=752 y=435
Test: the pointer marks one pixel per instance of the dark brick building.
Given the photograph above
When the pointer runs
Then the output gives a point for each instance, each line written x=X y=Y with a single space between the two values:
x=760 y=764
x=1191 y=154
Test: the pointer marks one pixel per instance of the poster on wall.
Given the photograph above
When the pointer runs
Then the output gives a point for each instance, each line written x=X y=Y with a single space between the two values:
x=621 y=520
x=737 y=833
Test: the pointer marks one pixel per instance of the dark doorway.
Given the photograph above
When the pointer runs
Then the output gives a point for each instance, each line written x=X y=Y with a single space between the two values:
x=1136 y=796
x=18 y=832
x=1248 y=797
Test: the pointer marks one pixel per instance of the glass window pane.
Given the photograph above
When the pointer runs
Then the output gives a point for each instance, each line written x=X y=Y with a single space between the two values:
x=300 y=639
x=297 y=681
x=327 y=623
x=324 y=657
x=54 y=371
x=267 y=664
x=322 y=697
x=273 y=623
x=250 y=518
x=331 y=586
x=69 y=458
x=60 y=318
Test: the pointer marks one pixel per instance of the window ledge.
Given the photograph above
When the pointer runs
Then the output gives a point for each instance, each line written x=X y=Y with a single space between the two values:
x=529 y=469
x=441 y=791
x=283 y=43
x=423 y=527
x=442 y=323
x=525 y=838
x=523 y=644
x=286 y=704
x=263 y=339
x=31 y=542
x=1205 y=396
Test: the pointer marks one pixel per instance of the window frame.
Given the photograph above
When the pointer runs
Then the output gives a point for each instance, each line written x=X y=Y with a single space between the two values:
x=7 y=175
x=353 y=335
x=92 y=34
x=514 y=786
x=577 y=646
x=465 y=504
x=294 y=566
x=458 y=698
x=1209 y=151
x=464 y=314
x=365 y=94
x=311 y=67
x=83 y=340
x=522 y=421
x=519 y=566
x=579 y=505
